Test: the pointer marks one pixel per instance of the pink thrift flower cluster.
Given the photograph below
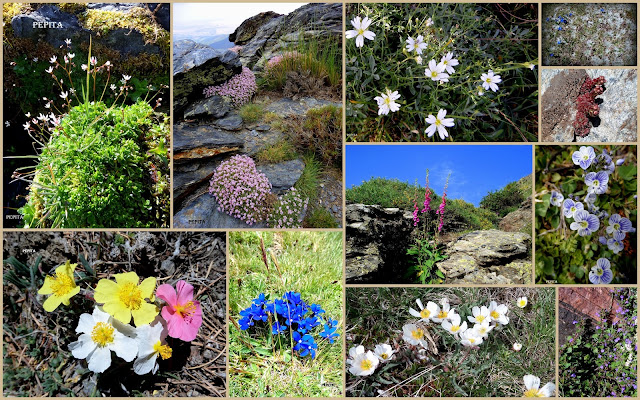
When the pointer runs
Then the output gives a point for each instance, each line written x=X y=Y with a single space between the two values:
x=289 y=211
x=240 y=189
x=238 y=89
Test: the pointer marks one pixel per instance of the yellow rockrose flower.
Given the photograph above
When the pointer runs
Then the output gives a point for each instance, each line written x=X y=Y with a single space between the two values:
x=62 y=287
x=125 y=298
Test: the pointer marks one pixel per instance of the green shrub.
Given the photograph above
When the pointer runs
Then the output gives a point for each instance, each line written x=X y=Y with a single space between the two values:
x=505 y=200
x=103 y=167
x=320 y=132
x=280 y=151
x=251 y=112
x=319 y=218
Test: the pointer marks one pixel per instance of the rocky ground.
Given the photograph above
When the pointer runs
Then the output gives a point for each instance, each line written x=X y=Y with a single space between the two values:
x=377 y=239
x=208 y=131
x=41 y=365
x=617 y=121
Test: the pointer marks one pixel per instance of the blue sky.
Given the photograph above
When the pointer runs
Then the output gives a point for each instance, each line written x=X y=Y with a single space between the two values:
x=475 y=169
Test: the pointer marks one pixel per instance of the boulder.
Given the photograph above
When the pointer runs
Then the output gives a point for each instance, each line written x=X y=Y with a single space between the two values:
x=490 y=256
x=248 y=29
x=203 y=212
x=197 y=66
x=162 y=14
x=284 y=107
x=376 y=244
x=518 y=220
x=193 y=143
x=232 y=122
x=212 y=107
x=282 y=175
x=617 y=120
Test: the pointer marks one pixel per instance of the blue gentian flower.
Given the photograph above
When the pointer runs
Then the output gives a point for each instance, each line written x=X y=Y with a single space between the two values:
x=547 y=19
x=569 y=207
x=602 y=10
x=308 y=324
x=329 y=331
x=251 y=314
x=316 y=309
x=570 y=14
x=584 y=223
x=551 y=55
x=277 y=328
x=597 y=182
x=601 y=272
x=304 y=344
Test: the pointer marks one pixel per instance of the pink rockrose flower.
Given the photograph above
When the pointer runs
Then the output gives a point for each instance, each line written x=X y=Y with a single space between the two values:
x=182 y=313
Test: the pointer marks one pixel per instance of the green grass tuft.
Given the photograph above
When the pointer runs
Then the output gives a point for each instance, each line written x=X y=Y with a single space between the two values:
x=319 y=218
x=251 y=112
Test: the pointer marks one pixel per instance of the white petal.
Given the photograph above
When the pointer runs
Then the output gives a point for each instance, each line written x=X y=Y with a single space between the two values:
x=350 y=34
x=414 y=313
x=100 y=359
x=430 y=130
x=547 y=390
x=531 y=382
x=124 y=346
x=369 y=35
x=144 y=365
x=82 y=347
x=359 y=41
x=442 y=132
x=86 y=323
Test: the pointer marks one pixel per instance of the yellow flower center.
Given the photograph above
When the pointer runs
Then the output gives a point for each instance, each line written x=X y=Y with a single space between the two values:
x=62 y=284
x=434 y=74
x=384 y=356
x=360 y=31
x=438 y=122
x=455 y=328
x=417 y=334
x=585 y=157
x=482 y=330
x=164 y=350
x=130 y=295
x=495 y=314
x=573 y=209
x=480 y=318
x=596 y=183
x=584 y=224
x=387 y=100
x=472 y=340
x=425 y=313
x=522 y=303
x=488 y=80
x=532 y=393
x=366 y=364
x=102 y=334
x=185 y=310
x=616 y=227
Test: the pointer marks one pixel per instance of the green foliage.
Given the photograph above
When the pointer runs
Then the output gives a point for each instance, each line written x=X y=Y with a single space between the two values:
x=22 y=275
x=280 y=151
x=483 y=37
x=426 y=255
x=319 y=218
x=309 y=263
x=251 y=112
x=601 y=360
x=505 y=200
x=562 y=256
x=309 y=182
x=322 y=57
x=320 y=132
x=103 y=167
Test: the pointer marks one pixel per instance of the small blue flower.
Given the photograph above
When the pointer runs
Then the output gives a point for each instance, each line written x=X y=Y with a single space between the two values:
x=601 y=272
x=547 y=19
x=602 y=10
x=584 y=223
x=304 y=344
x=559 y=28
x=559 y=41
x=277 y=328
x=570 y=14
x=615 y=243
x=556 y=198
x=316 y=309
x=329 y=331
x=617 y=223
x=551 y=55
x=597 y=182
x=569 y=207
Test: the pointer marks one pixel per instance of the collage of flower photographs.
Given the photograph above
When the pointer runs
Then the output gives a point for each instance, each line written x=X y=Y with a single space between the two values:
x=255 y=198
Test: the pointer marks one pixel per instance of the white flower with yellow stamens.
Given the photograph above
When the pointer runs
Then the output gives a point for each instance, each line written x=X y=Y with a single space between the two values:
x=413 y=335
x=532 y=383
x=151 y=344
x=483 y=329
x=384 y=352
x=102 y=334
x=425 y=313
x=498 y=313
x=521 y=301
x=364 y=364
x=443 y=313
x=480 y=314
x=453 y=326
x=353 y=353
x=470 y=338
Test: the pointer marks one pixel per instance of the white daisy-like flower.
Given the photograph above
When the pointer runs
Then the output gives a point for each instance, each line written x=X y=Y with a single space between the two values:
x=532 y=383
x=453 y=326
x=35 y=59
x=360 y=31
x=490 y=81
x=517 y=346
x=71 y=55
x=425 y=313
x=387 y=102
x=436 y=72
x=384 y=352
x=364 y=364
x=470 y=338
x=483 y=329
x=126 y=77
x=84 y=67
x=53 y=59
x=353 y=352
x=429 y=22
x=94 y=61
x=444 y=312
x=7 y=124
x=480 y=314
x=522 y=301
x=113 y=87
x=449 y=62
x=64 y=95
x=49 y=70
x=498 y=313
x=102 y=334
x=413 y=334
x=439 y=123
x=151 y=344
x=419 y=60
x=68 y=41
x=417 y=44
x=26 y=126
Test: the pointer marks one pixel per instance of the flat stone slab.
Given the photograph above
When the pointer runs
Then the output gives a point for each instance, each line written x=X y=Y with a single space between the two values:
x=282 y=175
x=285 y=106
x=203 y=141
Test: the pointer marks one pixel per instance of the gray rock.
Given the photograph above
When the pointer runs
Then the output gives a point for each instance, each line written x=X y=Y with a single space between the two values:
x=617 y=120
x=203 y=212
x=285 y=106
x=129 y=42
x=334 y=209
x=282 y=175
x=255 y=141
x=232 y=122
x=517 y=220
x=249 y=27
x=262 y=128
x=213 y=106
x=187 y=180
x=199 y=142
x=377 y=240
x=116 y=7
x=162 y=13
x=473 y=258
x=197 y=66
